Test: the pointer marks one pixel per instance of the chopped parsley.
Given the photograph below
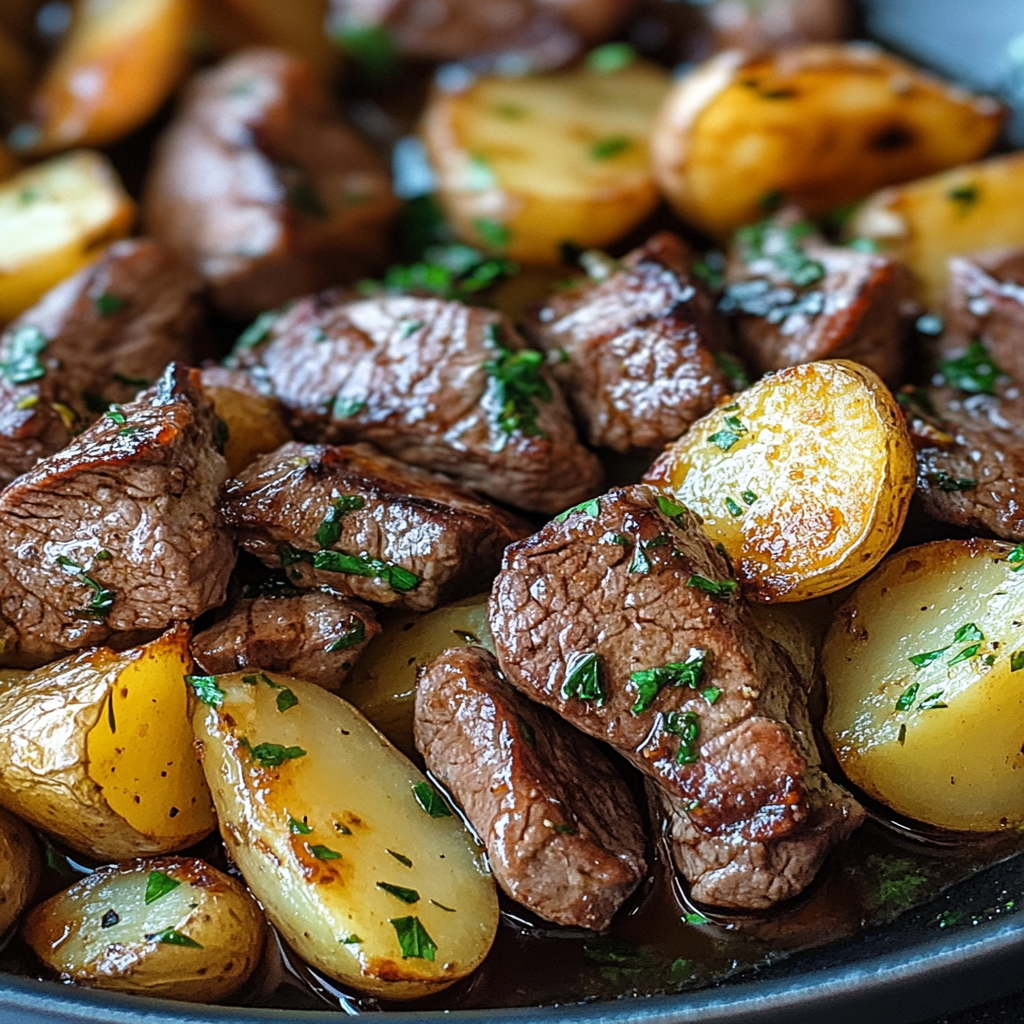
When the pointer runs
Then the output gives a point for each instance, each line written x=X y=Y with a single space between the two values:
x=413 y=939
x=158 y=884
x=908 y=696
x=716 y=588
x=917 y=660
x=345 y=407
x=299 y=828
x=324 y=852
x=102 y=599
x=207 y=690
x=108 y=305
x=945 y=482
x=1016 y=661
x=648 y=683
x=258 y=331
x=639 y=562
x=695 y=919
x=350 y=940
x=400 y=857
x=727 y=437
x=974 y=372
x=686 y=726
x=613 y=146
x=451 y=271
x=400 y=892
x=22 y=364
x=733 y=507
x=286 y=699
x=610 y=57
x=711 y=694
x=1015 y=558
x=430 y=800
x=398 y=579
x=583 y=680
x=591 y=507
x=272 y=755
x=171 y=937
x=329 y=530
x=354 y=635
x=963 y=197
x=492 y=233
x=517 y=384
x=967 y=633
x=932 y=701
x=966 y=654
x=782 y=247
x=670 y=508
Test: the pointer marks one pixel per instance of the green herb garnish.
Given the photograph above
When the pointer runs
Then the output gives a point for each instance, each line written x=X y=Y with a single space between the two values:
x=353 y=636
x=716 y=588
x=932 y=701
x=22 y=364
x=430 y=800
x=493 y=233
x=945 y=482
x=966 y=654
x=648 y=683
x=258 y=331
x=591 y=507
x=330 y=529
x=207 y=690
x=299 y=828
x=272 y=755
x=324 y=853
x=158 y=884
x=371 y=47
x=908 y=696
x=107 y=304
x=171 y=937
x=583 y=680
x=610 y=57
x=686 y=726
x=1015 y=559
x=400 y=892
x=733 y=507
x=400 y=857
x=413 y=939
x=974 y=372
x=397 y=578
x=967 y=633
x=731 y=367
x=669 y=508
x=964 y=197
x=917 y=660
x=1016 y=661
x=613 y=146
x=711 y=694
x=516 y=385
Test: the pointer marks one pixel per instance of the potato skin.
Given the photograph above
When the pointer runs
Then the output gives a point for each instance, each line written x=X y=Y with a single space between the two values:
x=822 y=125
x=814 y=490
x=210 y=908
x=955 y=762
x=19 y=869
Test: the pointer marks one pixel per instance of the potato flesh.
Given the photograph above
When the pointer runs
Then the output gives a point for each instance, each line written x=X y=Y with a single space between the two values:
x=101 y=931
x=551 y=159
x=960 y=766
x=54 y=218
x=814 y=492
x=383 y=683
x=973 y=209
x=254 y=423
x=354 y=792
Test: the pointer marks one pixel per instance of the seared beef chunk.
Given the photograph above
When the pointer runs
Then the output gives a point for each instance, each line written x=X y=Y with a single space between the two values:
x=796 y=299
x=434 y=383
x=561 y=829
x=624 y=619
x=635 y=346
x=362 y=523
x=260 y=185
x=537 y=33
x=315 y=635
x=118 y=533
x=94 y=339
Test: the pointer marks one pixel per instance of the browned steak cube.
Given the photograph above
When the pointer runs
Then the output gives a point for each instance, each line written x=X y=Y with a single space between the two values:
x=562 y=832
x=362 y=523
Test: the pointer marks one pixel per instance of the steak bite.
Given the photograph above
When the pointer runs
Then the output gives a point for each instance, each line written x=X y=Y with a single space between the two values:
x=795 y=299
x=623 y=618
x=95 y=338
x=435 y=383
x=118 y=535
x=315 y=635
x=362 y=523
x=635 y=346
x=260 y=185
x=562 y=832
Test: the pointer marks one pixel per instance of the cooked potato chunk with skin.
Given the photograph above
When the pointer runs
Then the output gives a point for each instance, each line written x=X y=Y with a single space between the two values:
x=926 y=711
x=54 y=217
x=97 y=749
x=383 y=683
x=19 y=869
x=358 y=861
x=526 y=164
x=820 y=125
x=972 y=209
x=805 y=478
x=172 y=927
x=134 y=49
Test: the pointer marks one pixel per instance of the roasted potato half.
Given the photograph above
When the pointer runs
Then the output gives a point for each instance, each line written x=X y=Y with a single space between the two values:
x=526 y=164
x=19 y=869
x=172 y=927
x=97 y=750
x=926 y=698
x=805 y=479
x=254 y=424
x=819 y=125
x=357 y=860
x=136 y=50
x=54 y=218
x=383 y=683
x=971 y=209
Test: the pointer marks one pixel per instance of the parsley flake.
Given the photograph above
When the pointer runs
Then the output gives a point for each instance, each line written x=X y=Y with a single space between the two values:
x=974 y=372
x=493 y=233
x=258 y=331
x=400 y=857
x=583 y=680
x=397 y=578
x=516 y=385
x=26 y=346
x=207 y=690
x=733 y=507
x=670 y=508
x=963 y=197
x=591 y=507
x=686 y=726
x=108 y=305
x=413 y=939
x=430 y=800
x=907 y=697
x=323 y=852
x=1015 y=559
x=648 y=683
x=945 y=482
x=917 y=660
x=400 y=892
x=731 y=367
x=613 y=146
x=299 y=828
x=966 y=654
x=158 y=884
x=611 y=57
x=329 y=530
x=354 y=635
x=272 y=755
x=716 y=588
x=1016 y=661
x=171 y=937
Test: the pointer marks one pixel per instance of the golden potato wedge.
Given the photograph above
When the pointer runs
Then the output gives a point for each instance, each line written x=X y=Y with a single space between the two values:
x=20 y=868
x=255 y=424
x=357 y=860
x=818 y=125
x=54 y=219
x=525 y=164
x=805 y=479
x=172 y=927
x=117 y=64
x=382 y=685
x=926 y=703
x=972 y=209
x=97 y=749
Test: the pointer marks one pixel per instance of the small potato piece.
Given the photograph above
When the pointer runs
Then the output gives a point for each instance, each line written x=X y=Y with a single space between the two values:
x=255 y=425
x=926 y=713
x=525 y=164
x=172 y=927
x=805 y=478
x=359 y=863
x=97 y=749
x=972 y=209
x=134 y=49
x=19 y=869
x=383 y=683
x=54 y=217
x=822 y=125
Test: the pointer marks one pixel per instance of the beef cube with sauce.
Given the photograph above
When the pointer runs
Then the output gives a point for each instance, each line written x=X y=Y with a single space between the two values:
x=623 y=618
x=314 y=635
x=359 y=522
x=435 y=383
x=96 y=338
x=260 y=185
x=562 y=832
x=636 y=345
x=795 y=298
x=117 y=536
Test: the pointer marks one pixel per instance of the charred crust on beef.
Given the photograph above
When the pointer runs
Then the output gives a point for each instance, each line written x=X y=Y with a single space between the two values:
x=562 y=832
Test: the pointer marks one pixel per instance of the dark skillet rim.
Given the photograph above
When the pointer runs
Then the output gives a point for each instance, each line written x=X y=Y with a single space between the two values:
x=945 y=973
